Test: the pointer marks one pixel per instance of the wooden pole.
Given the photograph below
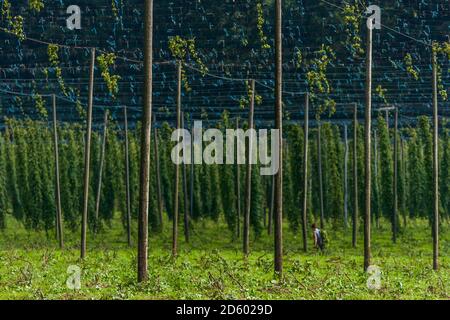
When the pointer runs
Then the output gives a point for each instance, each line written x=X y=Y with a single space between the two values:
x=265 y=207
x=395 y=185
x=435 y=165
x=100 y=173
x=248 y=180
x=145 y=145
x=192 y=174
x=375 y=166
x=278 y=256
x=185 y=192
x=403 y=180
x=158 y=173
x=238 y=190
x=346 y=177
x=355 y=177
x=87 y=157
x=59 y=228
x=177 y=172
x=368 y=151
x=305 y=175
x=319 y=164
x=127 y=175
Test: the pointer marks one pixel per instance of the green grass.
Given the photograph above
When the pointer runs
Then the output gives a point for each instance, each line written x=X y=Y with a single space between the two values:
x=213 y=267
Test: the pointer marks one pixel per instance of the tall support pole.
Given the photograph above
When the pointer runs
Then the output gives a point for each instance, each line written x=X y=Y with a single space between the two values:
x=265 y=207
x=59 y=228
x=346 y=177
x=403 y=181
x=355 y=177
x=87 y=157
x=435 y=166
x=278 y=257
x=158 y=174
x=177 y=173
x=305 y=175
x=320 y=172
x=145 y=145
x=248 y=178
x=100 y=173
x=127 y=175
x=368 y=151
x=272 y=204
x=238 y=191
x=395 y=211
x=192 y=175
x=185 y=194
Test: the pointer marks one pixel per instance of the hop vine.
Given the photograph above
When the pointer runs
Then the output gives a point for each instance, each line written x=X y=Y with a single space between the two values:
x=115 y=9
x=298 y=58
x=260 y=26
x=106 y=61
x=36 y=5
x=381 y=93
x=17 y=27
x=410 y=67
x=443 y=49
x=245 y=100
x=40 y=105
x=352 y=28
x=15 y=24
x=317 y=79
x=6 y=10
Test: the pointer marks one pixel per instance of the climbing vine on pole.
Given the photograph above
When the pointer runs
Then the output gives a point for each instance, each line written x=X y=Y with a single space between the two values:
x=381 y=93
x=260 y=26
x=181 y=49
x=6 y=10
x=36 y=5
x=40 y=105
x=80 y=109
x=352 y=13
x=298 y=58
x=106 y=61
x=317 y=79
x=443 y=49
x=14 y=24
x=17 y=27
x=245 y=100
x=52 y=52
x=115 y=8
x=410 y=68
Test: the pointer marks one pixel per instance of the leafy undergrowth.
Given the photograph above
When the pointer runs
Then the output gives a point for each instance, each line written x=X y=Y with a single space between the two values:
x=31 y=267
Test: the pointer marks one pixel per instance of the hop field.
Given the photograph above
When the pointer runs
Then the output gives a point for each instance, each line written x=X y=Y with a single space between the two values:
x=33 y=268
x=113 y=181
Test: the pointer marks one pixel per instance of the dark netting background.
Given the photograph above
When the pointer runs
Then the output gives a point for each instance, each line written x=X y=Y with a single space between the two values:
x=227 y=40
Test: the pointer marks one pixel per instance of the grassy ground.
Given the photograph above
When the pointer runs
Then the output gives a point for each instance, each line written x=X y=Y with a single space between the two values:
x=212 y=267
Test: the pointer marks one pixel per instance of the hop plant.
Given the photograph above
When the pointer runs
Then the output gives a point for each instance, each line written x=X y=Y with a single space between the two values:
x=182 y=49
x=106 y=61
x=17 y=27
x=351 y=14
x=317 y=79
x=381 y=93
x=260 y=26
x=410 y=67
x=36 y=5
x=52 y=53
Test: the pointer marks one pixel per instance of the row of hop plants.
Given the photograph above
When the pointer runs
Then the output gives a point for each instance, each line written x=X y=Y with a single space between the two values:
x=27 y=176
